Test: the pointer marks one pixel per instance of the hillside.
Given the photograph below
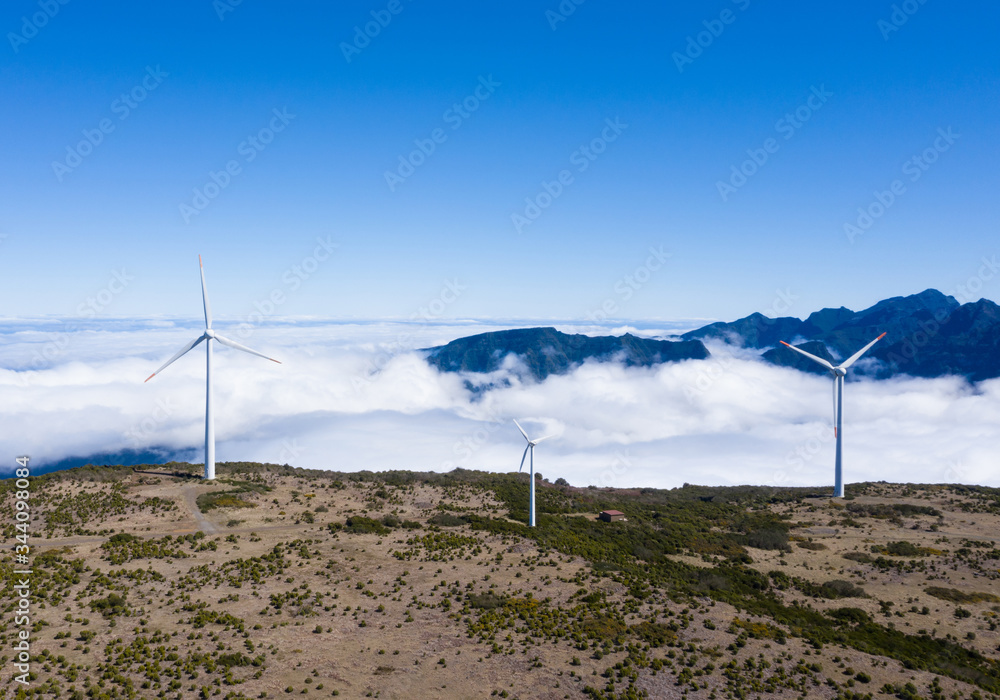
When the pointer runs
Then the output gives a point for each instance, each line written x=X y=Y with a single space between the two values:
x=277 y=581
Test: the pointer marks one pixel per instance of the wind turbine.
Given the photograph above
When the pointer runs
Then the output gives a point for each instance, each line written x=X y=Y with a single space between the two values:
x=530 y=448
x=208 y=336
x=838 y=372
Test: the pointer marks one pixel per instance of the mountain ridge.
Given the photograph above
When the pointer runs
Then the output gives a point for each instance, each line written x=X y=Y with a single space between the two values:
x=546 y=351
x=929 y=334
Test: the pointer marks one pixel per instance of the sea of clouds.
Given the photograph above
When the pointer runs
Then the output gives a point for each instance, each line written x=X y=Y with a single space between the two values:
x=358 y=395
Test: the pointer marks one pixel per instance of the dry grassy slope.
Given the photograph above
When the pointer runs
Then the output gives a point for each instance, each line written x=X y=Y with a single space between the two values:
x=368 y=615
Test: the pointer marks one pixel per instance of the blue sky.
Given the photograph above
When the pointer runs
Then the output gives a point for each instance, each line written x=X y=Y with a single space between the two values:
x=506 y=162
x=215 y=78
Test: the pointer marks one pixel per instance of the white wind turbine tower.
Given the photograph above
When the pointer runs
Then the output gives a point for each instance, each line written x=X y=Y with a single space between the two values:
x=838 y=372
x=530 y=448
x=208 y=336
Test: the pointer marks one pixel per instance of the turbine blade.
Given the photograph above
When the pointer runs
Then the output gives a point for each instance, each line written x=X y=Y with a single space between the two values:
x=244 y=348
x=854 y=358
x=542 y=438
x=812 y=357
x=183 y=350
x=522 y=430
x=204 y=295
x=524 y=456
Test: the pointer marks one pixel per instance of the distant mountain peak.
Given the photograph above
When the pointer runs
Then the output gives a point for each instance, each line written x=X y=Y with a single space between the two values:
x=826 y=320
x=546 y=351
x=928 y=300
x=927 y=334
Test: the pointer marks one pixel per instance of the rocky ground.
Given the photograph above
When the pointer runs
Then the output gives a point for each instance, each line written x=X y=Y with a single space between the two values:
x=274 y=582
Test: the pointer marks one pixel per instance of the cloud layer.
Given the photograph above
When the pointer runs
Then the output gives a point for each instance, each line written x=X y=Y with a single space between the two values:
x=352 y=396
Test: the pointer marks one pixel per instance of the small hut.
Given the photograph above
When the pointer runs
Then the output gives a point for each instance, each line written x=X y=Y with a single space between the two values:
x=611 y=516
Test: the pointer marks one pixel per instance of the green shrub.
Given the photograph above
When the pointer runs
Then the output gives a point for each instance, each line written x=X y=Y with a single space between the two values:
x=485 y=601
x=446 y=520
x=602 y=627
x=656 y=634
x=360 y=525
x=113 y=605
x=768 y=538
x=902 y=549
x=227 y=661
x=953 y=595
x=860 y=557
x=231 y=498
x=854 y=615
x=224 y=499
x=841 y=589
x=121 y=538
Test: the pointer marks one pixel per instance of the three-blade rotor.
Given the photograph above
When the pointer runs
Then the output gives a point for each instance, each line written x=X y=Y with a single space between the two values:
x=209 y=333
x=837 y=371
x=841 y=369
x=531 y=443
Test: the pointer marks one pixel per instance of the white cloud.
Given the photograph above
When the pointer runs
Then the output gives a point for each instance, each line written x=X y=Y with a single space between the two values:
x=352 y=396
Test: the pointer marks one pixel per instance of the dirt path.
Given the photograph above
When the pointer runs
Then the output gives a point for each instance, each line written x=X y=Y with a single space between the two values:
x=190 y=495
